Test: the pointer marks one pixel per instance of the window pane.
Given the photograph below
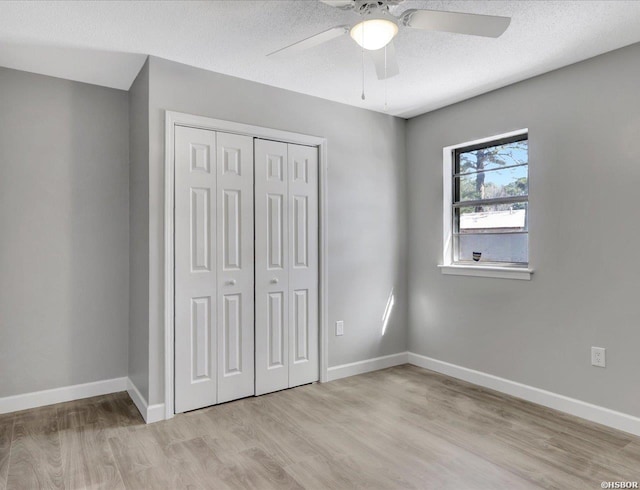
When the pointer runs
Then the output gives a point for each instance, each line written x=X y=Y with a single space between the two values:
x=506 y=182
x=499 y=247
x=493 y=157
x=498 y=218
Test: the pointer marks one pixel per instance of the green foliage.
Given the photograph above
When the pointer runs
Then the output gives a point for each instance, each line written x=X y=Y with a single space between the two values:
x=517 y=188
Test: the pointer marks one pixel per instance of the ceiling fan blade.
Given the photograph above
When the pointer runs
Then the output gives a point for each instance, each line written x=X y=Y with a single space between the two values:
x=392 y=63
x=312 y=41
x=340 y=4
x=458 y=22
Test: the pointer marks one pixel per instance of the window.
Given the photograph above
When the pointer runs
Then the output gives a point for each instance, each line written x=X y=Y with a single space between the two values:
x=487 y=207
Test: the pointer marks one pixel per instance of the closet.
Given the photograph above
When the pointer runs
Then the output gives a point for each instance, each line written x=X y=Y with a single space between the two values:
x=246 y=266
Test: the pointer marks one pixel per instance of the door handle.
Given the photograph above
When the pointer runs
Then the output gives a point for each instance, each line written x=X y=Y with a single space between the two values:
x=274 y=280
x=231 y=282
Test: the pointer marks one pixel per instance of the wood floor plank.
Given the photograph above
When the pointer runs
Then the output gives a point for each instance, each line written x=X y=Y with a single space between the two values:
x=187 y=427
x=623 y=465
x=196 y=465
x=35 y=460
x=87 y=459
x=319 y=472
x=292 y=439
x=255 y=469
x=267 y=468
x=142 y=464
x=246 y=431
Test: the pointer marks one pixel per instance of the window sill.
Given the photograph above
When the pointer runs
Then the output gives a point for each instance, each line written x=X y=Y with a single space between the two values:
x=520 y=273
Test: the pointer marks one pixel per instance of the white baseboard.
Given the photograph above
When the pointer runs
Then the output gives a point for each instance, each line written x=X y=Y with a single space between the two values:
x=150 y=413
x=594 y=413
x=155 y=413
x=368 y=365
x=59 y=395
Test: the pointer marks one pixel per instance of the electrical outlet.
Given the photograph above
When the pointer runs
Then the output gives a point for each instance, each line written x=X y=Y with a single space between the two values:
x=598 y=357
x=340 y=327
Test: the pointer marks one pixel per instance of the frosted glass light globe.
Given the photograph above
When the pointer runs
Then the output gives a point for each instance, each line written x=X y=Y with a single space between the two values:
x=374 y=34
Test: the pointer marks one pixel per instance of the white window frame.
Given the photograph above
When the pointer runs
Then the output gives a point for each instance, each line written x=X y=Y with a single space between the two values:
x=507 y=271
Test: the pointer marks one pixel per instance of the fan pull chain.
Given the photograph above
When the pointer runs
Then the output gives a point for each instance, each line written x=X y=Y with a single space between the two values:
x=385 y=79
x=362 y=96
x=362 y=49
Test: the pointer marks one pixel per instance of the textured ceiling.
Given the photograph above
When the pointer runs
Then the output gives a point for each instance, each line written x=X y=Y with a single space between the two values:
x=233 y=37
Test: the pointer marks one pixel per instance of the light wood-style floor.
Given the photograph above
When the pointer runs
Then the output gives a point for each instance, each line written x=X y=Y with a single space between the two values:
x=402 y=427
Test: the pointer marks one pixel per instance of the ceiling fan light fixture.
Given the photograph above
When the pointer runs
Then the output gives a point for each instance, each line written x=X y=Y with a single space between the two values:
x=373 y=34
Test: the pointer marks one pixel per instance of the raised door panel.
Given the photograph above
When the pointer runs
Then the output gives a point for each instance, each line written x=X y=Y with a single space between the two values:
x=272 y=259
x=195 y=271
x=235 y=266
x=300 y=326
x=200 y=229
x=300 y=234
x=275 y=331
x=303 y=257
x=275 y=231
x=232 y=334
x=201 y=326
x=231 y=230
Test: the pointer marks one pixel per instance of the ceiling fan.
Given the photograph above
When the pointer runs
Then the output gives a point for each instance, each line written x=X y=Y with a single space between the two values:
x=378 y=26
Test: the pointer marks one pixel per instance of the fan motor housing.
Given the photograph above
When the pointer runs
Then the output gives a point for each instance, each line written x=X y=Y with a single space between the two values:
x=368 y=6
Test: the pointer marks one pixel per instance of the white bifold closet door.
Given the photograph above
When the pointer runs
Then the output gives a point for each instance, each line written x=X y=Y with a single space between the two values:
x=214 y=275
x=286 y=275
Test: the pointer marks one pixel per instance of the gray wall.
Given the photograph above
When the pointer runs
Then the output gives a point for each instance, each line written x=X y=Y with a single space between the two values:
x=64 y=233
x=584 y=123
x=367 y=212
x=139 y=231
